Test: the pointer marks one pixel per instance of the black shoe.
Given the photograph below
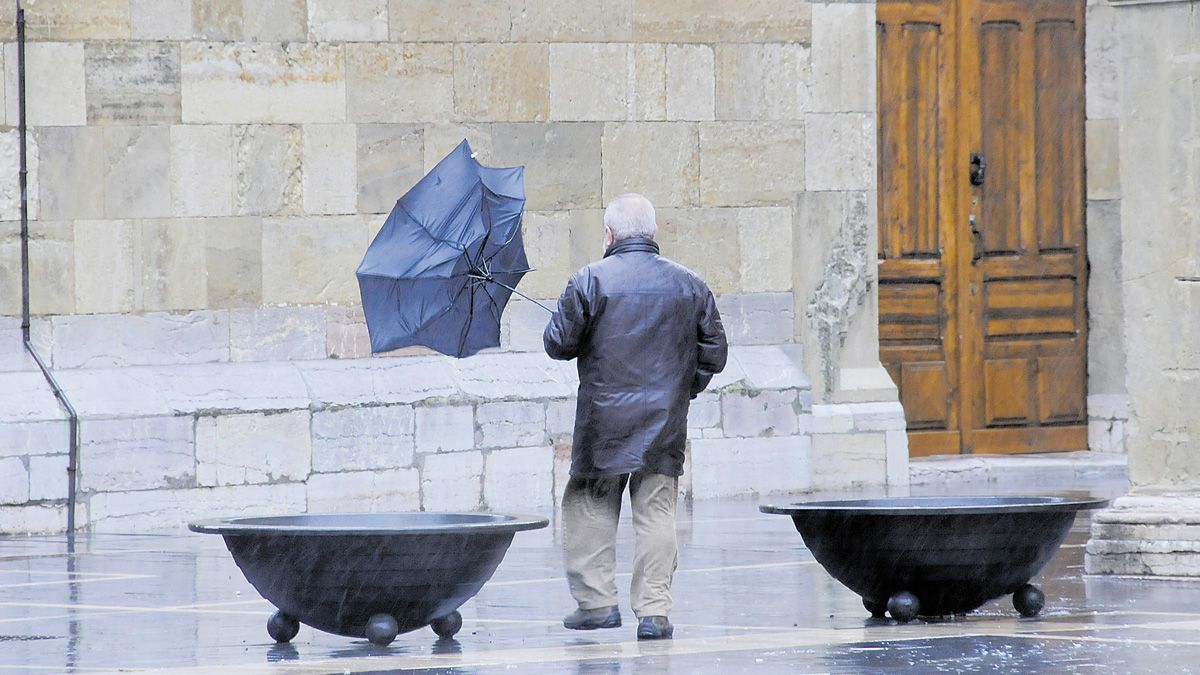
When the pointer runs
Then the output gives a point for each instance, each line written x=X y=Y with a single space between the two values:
x=655 y=628
x=591 y=619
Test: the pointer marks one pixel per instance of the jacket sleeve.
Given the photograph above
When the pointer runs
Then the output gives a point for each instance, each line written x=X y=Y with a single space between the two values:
x=563 y=336
x=712 y=347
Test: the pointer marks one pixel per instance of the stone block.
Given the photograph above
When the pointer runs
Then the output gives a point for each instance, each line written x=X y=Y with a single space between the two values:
x=843 y=57
x=560 y=419
x=751 y=164
x=353 y=439
x=657 y=159
x=14 y=481
x=728 y=467
x=258 y=448
x=365 y=492
x=246 y=83
x=172 y=510
x=647 y=96
x=878 y=416
x=449 y=21
x=840 y=154
x=160 y=19
x=719 y=21
x=897 y=457
x=275 y=20
x=400 y=83
x=346 y=335
x=132 y=82
x=547 y=236
x=522 y=327
x=762 y=81
x=562 y=162
x=233 y=260
x=378 y=381
x=71 y=20
x=502 y=82
x=121 y=340
x=510 y=424
x=137 y=454
x=313 y=259
x=71 y=164
x=705 y=411
x=330 y=169
x=765 y=245
x=572 y=21
x=445 y=428
x=842 y=460
x=32 y=519
x=267 y=176
x=54 y=84
x=1102 y=63
x=172 y=257
x=519 y=480
x=769 y=413
x=51 y=268
x=705 y=241
x=587 y=238
x=106 y=266
x=32 y=438
x=502 y=376
x=691 y=88
x=769 y=367
x=1103 y=159
x=390 y=162
x=217 y=20
x=347 y=20
x=835 y=418
x=277 y=334
x=10 y=187
x=201 y=176
x=48 y=478
x=589 y=81
x=442 y=138
x=137 y=172
x=452 y=482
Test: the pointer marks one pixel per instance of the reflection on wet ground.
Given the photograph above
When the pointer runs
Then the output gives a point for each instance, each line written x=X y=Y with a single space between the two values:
x=748 y=598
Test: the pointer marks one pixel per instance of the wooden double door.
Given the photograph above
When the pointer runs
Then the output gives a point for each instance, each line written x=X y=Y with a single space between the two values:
x=982 y=260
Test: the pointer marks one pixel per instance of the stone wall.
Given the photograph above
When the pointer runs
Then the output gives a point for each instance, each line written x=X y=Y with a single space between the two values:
x=1151 y=67
x=206 y=174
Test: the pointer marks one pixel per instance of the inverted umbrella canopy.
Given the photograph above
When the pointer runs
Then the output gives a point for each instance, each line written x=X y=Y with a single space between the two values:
x=447 y=259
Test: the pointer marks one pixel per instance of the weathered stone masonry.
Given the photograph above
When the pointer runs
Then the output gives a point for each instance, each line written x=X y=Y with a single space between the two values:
x=205 y=175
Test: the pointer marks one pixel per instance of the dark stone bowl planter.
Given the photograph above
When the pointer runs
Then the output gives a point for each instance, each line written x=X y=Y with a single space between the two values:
x=938 y=555
x=369 y=575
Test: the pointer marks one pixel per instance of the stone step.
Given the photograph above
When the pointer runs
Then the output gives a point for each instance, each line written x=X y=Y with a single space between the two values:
x=1062 y=469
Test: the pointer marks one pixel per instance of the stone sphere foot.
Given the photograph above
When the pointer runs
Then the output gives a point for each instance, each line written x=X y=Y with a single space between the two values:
x=381 y=629
x=447 y=626
x=903 y=606
x=1029 y=600
x=282 y=628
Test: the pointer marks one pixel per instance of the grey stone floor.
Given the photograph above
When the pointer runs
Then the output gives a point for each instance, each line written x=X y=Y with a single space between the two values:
x=749 y=598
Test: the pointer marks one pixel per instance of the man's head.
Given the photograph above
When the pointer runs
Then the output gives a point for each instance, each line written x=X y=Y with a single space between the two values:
x=629 y=215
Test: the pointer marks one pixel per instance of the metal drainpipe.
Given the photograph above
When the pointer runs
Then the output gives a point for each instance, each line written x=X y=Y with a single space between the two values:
x=73 y=453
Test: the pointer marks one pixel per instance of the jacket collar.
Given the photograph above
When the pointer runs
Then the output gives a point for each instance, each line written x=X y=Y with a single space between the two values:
x=632 y=245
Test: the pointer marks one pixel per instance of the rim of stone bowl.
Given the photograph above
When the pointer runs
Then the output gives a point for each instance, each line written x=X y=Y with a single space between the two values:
x=400 y=523
x=939 y=506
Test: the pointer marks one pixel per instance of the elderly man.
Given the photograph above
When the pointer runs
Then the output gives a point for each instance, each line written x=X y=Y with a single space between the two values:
x=648 y=338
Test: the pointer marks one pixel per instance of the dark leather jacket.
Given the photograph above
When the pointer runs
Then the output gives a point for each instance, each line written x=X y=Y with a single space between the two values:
x=648 y=338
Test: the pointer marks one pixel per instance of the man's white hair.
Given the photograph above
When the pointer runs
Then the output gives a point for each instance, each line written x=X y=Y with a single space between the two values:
x=630 y=215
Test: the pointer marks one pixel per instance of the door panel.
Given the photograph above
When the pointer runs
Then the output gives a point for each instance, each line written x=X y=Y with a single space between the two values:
x=982 y=286
x=915 y=289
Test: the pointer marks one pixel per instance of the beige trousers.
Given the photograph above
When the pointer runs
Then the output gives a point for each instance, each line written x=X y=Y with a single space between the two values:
x=591 y=507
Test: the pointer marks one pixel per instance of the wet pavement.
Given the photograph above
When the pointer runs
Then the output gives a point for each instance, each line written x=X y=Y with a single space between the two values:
x=749 y=598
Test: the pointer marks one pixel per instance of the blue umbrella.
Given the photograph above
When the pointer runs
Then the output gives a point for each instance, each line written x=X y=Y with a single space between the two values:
x=447 y=260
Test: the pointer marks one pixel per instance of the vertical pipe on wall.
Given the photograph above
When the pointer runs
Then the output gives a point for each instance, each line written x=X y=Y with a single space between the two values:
x=73 y=417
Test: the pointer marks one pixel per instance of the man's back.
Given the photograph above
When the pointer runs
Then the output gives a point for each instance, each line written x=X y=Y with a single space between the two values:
x=648 y=336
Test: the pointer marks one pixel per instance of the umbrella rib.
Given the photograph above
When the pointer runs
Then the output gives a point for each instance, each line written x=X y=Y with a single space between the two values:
x=462 y=340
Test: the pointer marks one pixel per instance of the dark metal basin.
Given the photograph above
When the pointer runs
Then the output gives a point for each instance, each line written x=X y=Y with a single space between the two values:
x=335 y=572
x=952 y=553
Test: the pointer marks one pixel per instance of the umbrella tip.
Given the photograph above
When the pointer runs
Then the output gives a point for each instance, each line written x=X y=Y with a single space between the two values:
x=474 y=155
